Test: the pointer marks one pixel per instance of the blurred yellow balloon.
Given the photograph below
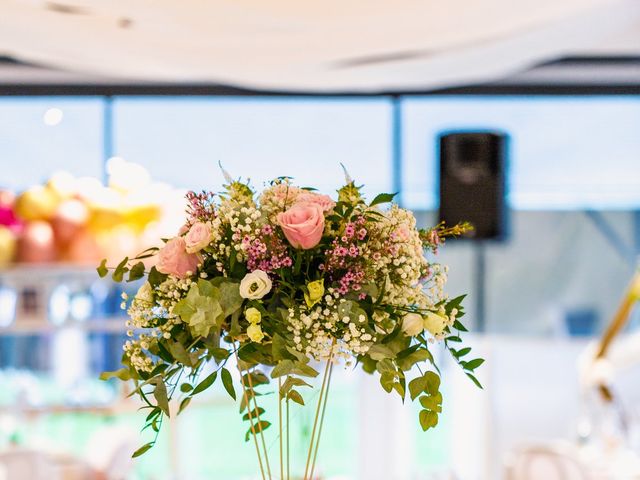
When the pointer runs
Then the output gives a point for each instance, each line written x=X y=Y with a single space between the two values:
x=37 y=203
x=8 y=244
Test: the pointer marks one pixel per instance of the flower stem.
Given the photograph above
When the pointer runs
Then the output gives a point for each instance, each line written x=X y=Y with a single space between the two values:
x=280 y=425
x=324 y=409
x=253 y=430
x=315 y=421
x=288 y=461
x=260 y=429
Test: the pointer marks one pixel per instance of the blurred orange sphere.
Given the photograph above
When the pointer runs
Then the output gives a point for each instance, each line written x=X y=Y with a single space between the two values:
x=37 y=243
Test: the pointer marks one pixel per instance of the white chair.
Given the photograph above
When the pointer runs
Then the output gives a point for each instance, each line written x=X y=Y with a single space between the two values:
x=25 y=464
x=546 y=462
x=109 y=451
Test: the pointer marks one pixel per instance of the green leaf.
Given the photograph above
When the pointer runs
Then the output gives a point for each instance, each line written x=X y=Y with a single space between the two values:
x=461 y=353
x=230 y=299
x=186 y=387
x=433 y=383
x=142 y=450
x=136 y=272
x=417 y=386
x=399 y=387
x=387 y=380
x=382 y=198
x=255 y=413
x=291 y=382
x=200 y=310
x=257 y=378
x=284 y=367
x=227 y=381
x=432 y=403
x=428 y=419
x=472 y=364
x=123 y=374
x=184 y=404
x=294 y=396
x=120 y=270
x=380 y=352
x=474 y=380
x=279 y=346
x=258 y=427
x=178 y=352
x=410 y=360
x=453 y=338
x=102 y=269
x=161 y=395
x=459 y=326
x=155 y=277
x=288 y=367
x=204 y=384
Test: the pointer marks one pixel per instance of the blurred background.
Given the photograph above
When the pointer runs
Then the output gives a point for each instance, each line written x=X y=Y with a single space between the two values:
x=524 y=121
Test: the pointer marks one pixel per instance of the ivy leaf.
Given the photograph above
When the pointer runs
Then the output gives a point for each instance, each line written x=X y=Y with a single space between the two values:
x=387 y=380
x=136 y=272
x=382 y=198
x=432 y=403
x=102 y=268
x=120 y=270
x=417 y=386
x=380 y=352
x=155 y=277
x=230 y=299
x=433 y=383
x=199 y=309
x=142 y=450
x=428 y=419
x=227 y=381
x=415 y=357
x=204 y=384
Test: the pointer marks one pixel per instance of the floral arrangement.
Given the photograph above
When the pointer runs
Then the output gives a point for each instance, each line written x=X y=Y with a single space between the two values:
x=287 y=283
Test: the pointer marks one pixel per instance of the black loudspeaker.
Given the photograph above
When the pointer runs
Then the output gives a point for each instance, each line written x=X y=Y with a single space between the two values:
x=472 y=182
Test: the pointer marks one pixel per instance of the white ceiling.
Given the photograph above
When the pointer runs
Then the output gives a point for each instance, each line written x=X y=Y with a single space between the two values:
x=329 y=46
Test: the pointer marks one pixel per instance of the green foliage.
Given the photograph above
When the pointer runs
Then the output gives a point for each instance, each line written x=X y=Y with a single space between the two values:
x=136 y=272
x=206 y=383
x=382 y=198
x=102 y=268
x=227 y=381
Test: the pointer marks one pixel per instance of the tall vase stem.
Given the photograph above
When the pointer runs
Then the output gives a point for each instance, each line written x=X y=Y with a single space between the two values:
x=318 y=408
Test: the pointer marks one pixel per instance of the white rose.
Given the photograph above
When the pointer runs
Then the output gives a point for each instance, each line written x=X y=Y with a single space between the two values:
x=435 y=323
x=145 y=293
x=255 y=285
x=412 y=324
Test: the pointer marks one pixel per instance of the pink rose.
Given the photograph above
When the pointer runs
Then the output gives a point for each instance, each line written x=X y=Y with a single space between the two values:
x=303 y=224
x=323 y=200
x=198 y=237
x=173 y=259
